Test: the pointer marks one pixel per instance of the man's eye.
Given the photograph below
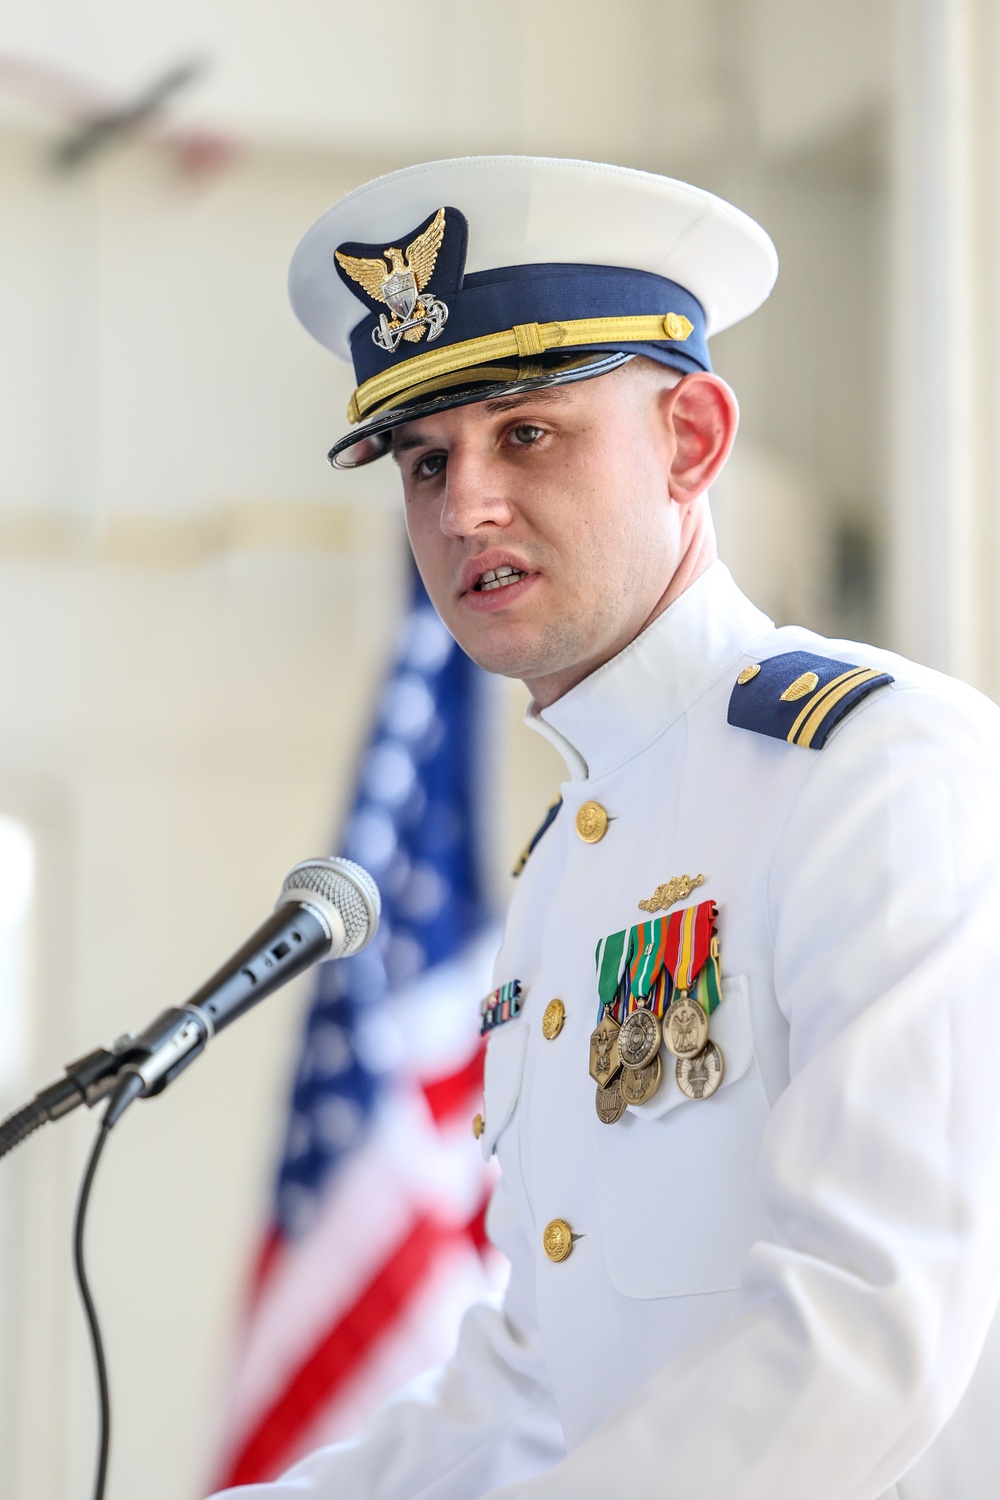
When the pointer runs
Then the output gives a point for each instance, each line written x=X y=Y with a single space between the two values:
x=524 y=433
x=429 y=465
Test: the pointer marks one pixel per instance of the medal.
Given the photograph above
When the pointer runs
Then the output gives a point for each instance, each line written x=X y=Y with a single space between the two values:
x=611 y=957
x=685 y=1026
x=641 y=966
x=610 y=1105
x=636 y=1085
x=699 y=1077
x=605 y=1061
x=647 y=956
x=639 y=1038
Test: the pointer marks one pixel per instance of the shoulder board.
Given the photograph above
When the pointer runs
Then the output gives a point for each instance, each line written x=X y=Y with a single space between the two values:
x=537 y=836
x=799 y=697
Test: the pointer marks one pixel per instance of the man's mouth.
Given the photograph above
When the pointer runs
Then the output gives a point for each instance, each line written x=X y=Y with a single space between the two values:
x=498 y=578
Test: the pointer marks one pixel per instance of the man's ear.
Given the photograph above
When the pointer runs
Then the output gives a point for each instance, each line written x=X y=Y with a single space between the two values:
x=701 y=416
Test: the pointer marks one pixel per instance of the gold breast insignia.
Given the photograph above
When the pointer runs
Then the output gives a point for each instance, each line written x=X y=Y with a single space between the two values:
x=678 y=888
x=401 y=286
x=800 y=688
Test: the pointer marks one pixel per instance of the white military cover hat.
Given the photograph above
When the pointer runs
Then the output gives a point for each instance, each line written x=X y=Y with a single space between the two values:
x=448 y=282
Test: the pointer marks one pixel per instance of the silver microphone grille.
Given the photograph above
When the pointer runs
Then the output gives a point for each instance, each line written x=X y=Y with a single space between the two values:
x=347 y=887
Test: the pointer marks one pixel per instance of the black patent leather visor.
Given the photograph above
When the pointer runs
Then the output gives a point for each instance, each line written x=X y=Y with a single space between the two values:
x=501 y=377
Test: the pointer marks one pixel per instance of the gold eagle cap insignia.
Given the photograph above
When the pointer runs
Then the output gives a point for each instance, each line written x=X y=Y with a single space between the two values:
x=678 y=888
x=398 y=285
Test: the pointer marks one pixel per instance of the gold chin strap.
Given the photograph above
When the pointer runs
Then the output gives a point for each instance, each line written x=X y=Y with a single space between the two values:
x=521 y=342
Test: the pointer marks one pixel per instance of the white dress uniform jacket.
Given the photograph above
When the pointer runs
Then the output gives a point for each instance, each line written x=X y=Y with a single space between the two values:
x=787 y=1291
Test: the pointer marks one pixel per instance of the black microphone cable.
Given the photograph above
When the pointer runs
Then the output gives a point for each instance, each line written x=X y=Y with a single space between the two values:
x=90 y=1312
x=129 y=1088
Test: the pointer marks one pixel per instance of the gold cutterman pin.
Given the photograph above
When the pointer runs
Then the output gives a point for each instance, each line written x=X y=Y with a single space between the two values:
x=678 y=888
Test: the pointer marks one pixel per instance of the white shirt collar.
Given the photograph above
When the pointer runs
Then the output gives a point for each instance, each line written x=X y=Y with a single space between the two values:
x=619 y=710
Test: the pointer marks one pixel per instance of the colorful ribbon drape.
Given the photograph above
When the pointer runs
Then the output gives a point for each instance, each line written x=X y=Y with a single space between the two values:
x=650 y=961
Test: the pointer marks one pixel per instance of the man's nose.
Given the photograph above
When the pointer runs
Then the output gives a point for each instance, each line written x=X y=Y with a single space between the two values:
x=475 y=494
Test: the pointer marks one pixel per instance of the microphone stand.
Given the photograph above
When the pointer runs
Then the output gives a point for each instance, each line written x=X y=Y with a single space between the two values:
x=156 y=1056
x=88 y=1080
x=322 y=903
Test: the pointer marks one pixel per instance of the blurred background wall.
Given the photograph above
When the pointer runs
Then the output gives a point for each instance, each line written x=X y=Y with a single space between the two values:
x=194 y=608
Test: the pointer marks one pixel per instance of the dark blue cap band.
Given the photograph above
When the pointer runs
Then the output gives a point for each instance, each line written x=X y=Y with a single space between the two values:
x=490 y=301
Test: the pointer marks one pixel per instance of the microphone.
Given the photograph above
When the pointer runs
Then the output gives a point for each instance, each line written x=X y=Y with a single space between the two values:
x=327 y=908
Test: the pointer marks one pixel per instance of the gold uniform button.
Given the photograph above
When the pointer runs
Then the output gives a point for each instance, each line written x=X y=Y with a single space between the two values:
x=557 y=1239
x=748 y=674
x=478 y=1126
x=552 y=1020
x=591 y=822
x=676 y=326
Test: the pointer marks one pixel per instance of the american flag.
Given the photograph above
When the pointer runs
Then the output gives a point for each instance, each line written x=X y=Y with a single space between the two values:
x=377 y=1244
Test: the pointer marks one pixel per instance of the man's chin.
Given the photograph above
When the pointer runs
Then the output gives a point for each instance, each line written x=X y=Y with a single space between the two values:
x=527 y=655
x=500 y=663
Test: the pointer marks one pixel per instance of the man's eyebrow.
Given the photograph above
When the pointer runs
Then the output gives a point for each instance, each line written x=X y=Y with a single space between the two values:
x=501 y=404
x=402 y=441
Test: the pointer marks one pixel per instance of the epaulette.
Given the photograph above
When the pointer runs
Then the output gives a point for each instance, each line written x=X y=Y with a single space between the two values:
x=799 y=697
x=537 y=836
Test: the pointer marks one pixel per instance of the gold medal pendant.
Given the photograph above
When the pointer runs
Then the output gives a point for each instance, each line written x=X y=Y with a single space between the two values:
x=636 y=1085
x=685 y=1027
x=605 y=1061
x=699 y=1077
x=639 y=1038
x=610 y=1105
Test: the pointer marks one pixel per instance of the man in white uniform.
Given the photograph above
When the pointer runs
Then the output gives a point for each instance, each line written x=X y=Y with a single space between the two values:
x=742 y=1058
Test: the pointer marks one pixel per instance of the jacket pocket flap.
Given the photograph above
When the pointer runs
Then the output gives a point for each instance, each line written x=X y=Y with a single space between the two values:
x=731 y=1032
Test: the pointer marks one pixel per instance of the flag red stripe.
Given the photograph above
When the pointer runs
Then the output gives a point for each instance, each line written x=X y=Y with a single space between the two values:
x=476 y=1227
x=272 y=1442
x=267 y=1258
x=446 y=1096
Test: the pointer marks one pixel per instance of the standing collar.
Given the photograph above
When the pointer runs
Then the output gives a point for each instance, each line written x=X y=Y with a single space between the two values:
x=619 y=710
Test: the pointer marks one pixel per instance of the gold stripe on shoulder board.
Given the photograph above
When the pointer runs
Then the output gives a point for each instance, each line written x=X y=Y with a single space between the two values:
x=812 y=713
